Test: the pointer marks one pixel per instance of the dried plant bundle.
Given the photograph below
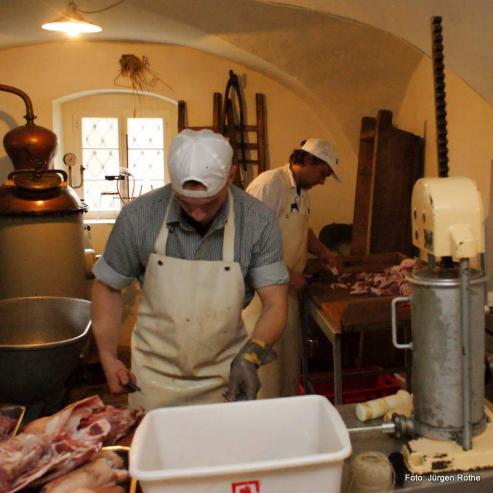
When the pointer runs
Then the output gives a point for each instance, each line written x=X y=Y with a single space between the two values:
x=139 y=73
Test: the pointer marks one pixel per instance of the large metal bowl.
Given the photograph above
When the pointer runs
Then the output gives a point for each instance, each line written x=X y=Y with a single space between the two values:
x=41 y=339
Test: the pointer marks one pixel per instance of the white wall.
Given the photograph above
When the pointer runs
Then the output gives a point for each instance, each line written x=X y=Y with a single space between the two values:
x=48 y=72
x=470 y=126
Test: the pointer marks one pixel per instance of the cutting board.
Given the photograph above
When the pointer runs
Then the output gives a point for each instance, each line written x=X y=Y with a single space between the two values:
x=346 y=312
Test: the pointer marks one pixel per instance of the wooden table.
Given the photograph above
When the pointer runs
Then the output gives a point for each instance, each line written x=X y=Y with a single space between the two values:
x=337 y=312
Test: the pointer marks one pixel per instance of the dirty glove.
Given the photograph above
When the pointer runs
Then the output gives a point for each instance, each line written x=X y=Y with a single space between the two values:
x=243 y=378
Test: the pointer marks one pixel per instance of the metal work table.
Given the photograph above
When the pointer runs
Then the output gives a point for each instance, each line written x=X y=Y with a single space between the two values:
x=310 y=308
x=378 y=441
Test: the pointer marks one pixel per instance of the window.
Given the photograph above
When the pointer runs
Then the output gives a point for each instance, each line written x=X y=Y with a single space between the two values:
x=116 y=172
x=121 y=141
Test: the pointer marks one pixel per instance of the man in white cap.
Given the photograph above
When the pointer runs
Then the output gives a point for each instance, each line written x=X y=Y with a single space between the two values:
x=200 y=247
x=285 y=191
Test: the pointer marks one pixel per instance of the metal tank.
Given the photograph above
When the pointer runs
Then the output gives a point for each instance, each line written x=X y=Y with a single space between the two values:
x=437 y=380
x=41 y=230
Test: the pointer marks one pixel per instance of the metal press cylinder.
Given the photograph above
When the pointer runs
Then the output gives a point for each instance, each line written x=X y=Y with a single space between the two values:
x=437 y=353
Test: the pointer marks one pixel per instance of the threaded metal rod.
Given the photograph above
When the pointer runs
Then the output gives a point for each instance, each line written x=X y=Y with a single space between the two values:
x=440 y=103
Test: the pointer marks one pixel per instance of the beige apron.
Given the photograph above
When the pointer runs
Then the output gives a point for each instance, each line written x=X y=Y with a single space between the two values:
x=189 y=325
x=281 y=377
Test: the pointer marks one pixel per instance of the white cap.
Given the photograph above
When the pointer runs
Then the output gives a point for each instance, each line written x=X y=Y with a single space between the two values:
x=202 y=156
x=324 y=151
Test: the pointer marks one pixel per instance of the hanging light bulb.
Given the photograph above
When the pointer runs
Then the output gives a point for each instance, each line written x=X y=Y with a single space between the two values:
x=72 y=22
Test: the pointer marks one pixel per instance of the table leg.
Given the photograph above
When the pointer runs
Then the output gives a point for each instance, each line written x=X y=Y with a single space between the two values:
x=303 y=344
x=336 y=353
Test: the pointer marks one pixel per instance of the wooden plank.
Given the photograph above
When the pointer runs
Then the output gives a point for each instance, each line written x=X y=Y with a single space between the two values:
x=397 y=167
x=261 y=132
x=217 y=98
x=182 y=115
x=365 y=311
x=250 y=146
x=362 y=203
x=247 y=128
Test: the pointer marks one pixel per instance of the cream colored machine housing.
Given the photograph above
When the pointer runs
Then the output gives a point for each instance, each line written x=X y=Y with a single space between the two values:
x=447 y=217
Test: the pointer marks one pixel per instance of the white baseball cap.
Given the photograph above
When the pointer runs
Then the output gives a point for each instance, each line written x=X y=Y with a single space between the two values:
x=201 y=156
x=324 y=151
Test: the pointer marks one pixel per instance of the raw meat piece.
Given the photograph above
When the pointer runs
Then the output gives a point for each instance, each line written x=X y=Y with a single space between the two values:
x=52 y=446
x=121 y=421
x=67 y=419
x=23 y=459
x=104 y=470
x=7 y=425
x=391 y=282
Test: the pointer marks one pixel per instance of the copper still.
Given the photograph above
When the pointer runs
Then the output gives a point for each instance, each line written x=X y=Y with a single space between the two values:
x=41 y=230
x=30 y=146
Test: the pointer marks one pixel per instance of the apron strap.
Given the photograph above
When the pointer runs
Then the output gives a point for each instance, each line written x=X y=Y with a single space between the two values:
x=228 y=236
x=162 y=237
x=229 y=232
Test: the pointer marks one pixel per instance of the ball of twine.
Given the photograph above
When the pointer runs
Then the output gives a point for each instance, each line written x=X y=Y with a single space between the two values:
x=371 y=472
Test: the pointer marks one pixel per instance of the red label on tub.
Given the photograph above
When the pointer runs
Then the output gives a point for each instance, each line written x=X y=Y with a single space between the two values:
x=246 y=487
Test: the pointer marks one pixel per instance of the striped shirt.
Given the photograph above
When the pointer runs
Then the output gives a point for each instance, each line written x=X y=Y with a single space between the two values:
x=257 y=246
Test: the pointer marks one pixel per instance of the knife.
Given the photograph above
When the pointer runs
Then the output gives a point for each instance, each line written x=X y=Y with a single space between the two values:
x=132 y=387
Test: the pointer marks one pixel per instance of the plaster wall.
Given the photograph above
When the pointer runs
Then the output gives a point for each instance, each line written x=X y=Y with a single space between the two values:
x=48 y=72
x=469 y=125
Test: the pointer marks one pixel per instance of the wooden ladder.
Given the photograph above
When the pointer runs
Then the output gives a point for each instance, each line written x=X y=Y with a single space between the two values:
x=231 y=124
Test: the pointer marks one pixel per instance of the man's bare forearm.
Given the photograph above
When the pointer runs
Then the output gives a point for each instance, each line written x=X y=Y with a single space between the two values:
x=273 y=318
x=315 y=246
x=107 y=309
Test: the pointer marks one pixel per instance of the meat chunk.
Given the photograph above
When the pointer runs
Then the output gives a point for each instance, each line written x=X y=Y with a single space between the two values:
x=105 y=470
x=7 y=426
x=50 y=447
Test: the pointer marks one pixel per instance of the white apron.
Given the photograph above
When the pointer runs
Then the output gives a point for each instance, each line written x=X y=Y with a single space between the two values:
x=189 y=325
x=281 y=377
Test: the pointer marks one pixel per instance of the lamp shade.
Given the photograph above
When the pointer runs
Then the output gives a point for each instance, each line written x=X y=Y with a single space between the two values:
x=72 y=23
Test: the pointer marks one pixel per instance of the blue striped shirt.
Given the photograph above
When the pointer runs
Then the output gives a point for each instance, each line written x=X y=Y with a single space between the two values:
x=257 y=246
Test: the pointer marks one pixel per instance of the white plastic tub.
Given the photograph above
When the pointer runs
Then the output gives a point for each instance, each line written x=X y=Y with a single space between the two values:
x=293 y=444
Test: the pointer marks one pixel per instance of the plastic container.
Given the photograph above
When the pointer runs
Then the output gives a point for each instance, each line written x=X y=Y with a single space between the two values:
x=285 y=445
x=357 y=387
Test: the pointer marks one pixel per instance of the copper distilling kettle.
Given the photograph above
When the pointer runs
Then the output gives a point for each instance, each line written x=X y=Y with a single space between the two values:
x=41 y=228
x=29 y=146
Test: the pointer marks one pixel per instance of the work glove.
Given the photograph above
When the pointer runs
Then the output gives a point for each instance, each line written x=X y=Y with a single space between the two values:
x=243 y=377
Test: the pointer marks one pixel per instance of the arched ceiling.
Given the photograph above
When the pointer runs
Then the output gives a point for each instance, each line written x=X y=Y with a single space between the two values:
x=347 y=57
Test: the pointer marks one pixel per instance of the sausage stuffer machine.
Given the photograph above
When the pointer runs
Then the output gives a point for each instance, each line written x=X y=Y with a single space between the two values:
x=447 y=313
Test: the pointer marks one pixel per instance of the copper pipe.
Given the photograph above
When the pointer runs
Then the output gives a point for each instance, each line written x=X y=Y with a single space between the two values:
x=29 y=116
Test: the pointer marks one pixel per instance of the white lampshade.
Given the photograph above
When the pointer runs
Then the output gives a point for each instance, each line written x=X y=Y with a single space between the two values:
x=72 y=23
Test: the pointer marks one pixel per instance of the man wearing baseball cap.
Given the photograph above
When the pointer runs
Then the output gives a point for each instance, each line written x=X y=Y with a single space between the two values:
x=200 y=247
x=285 y=191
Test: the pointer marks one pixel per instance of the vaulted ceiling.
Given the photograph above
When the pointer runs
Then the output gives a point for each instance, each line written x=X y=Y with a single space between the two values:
x=348 y=57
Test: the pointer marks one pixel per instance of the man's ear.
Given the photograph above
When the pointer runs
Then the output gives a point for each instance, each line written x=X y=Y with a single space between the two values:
x=232 y=173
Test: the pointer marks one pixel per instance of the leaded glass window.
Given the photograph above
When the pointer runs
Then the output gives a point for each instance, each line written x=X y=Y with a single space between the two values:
x=145 y=143
x=119 y=169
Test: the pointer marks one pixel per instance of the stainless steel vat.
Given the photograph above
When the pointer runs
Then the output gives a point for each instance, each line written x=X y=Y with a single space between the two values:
x=41 y=339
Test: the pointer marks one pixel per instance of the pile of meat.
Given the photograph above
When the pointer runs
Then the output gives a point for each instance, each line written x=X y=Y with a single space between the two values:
x=390 y=282
x=50 y=447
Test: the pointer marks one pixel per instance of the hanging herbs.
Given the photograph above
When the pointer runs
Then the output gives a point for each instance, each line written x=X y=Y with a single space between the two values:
x=138 y=72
